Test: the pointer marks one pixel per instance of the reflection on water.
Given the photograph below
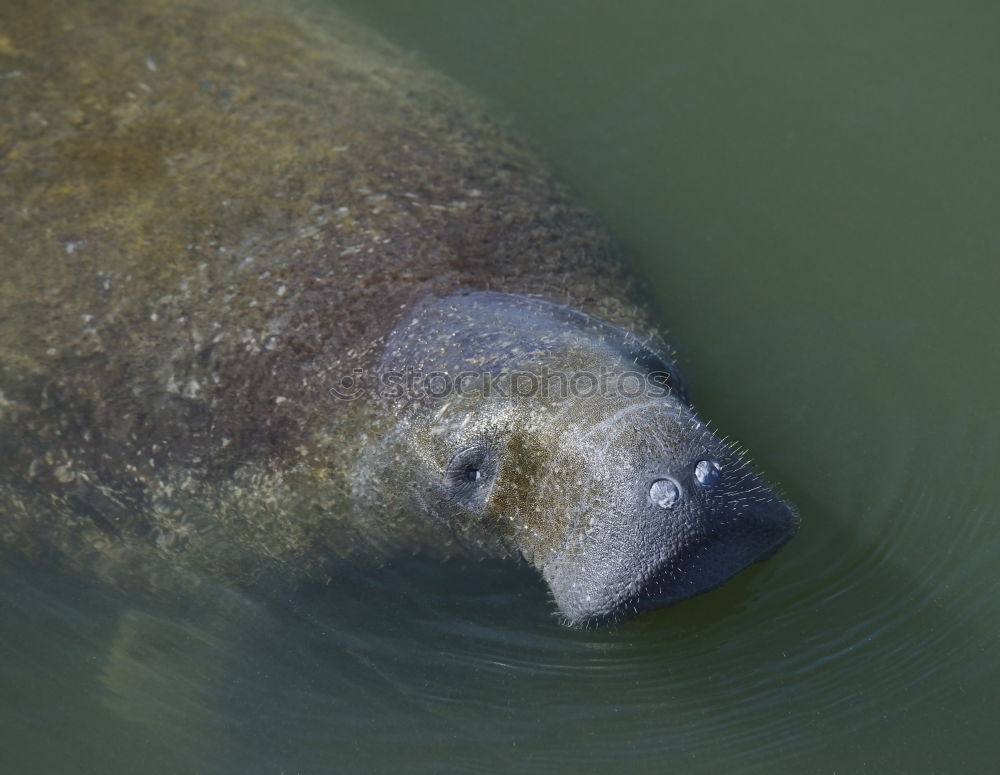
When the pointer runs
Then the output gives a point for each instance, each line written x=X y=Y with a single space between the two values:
x=836 y=319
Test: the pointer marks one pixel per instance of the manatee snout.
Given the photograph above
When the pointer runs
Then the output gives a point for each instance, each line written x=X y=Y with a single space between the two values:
x=622 y=498
x=675 y=512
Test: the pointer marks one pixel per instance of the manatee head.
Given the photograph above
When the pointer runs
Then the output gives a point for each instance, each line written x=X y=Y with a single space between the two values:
x=533 y=430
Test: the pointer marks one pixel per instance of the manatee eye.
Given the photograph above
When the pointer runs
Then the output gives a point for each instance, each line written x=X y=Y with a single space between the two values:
x=665 y=493
x=470 y=474
x=707 y=473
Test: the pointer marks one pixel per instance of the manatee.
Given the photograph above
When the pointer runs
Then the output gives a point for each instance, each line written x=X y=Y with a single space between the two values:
x=277 y=299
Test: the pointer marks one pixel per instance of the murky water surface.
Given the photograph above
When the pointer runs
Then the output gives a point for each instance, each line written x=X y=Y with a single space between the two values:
x=812 y=189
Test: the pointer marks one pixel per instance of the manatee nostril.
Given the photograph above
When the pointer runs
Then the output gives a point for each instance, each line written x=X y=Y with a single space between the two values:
x=707 y=473
x=665 y=493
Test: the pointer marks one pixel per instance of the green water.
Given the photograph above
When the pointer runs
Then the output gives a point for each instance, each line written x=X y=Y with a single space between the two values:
x=813 y=190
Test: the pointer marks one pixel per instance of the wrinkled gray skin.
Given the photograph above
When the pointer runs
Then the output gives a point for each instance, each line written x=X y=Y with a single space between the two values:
x=211 y=214
x=611 y=487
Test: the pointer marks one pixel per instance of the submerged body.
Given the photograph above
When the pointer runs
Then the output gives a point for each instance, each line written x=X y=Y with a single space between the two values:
x=225 y=230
